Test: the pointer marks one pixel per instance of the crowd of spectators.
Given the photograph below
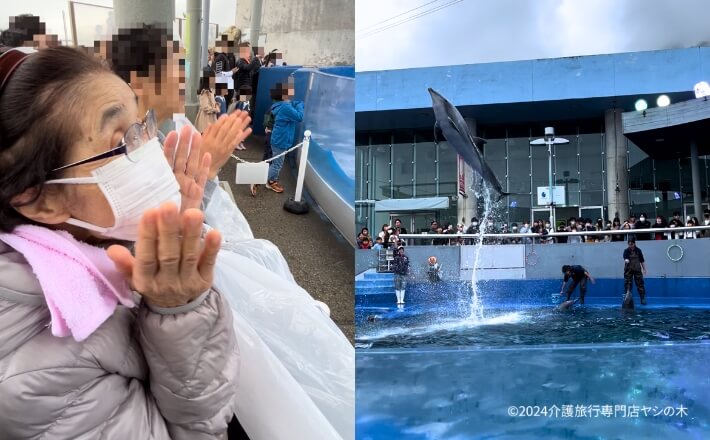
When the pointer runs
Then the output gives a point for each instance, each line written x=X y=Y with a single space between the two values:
x=453 y=234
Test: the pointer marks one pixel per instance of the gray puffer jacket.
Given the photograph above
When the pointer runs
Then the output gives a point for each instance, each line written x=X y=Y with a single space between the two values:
x=144 y=374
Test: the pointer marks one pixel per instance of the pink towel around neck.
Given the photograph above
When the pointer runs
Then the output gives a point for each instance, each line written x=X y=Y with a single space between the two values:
x=79 y=281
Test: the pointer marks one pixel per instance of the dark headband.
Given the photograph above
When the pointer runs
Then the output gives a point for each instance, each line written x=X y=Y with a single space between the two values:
x=9 y=61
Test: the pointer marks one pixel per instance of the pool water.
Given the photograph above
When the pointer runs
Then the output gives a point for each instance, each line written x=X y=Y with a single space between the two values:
x=456 y=394
x=428 y=326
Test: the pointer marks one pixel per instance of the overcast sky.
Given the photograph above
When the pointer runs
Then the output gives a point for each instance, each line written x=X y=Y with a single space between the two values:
x=482 y=31
x=222 y=12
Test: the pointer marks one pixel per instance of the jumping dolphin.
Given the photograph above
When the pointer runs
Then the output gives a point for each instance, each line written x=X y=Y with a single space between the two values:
x=628 y=303
x=456 y=131
x=567 y=304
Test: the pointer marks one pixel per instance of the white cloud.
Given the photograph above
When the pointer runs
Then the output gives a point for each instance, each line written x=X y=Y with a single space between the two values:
x=480 y=31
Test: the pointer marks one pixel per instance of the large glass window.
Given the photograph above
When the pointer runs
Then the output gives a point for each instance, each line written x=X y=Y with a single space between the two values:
x=641 y=181
x=591 y=165
x=566 y=170
x=448 y=171
x=403 y=166
x=362 y=179
x=425 y=168
x=668 y=191
x=380 y=166
x=540 y=169
x=495 y=156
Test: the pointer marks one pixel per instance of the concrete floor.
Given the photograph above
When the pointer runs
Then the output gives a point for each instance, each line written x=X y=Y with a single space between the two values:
x=321 y=261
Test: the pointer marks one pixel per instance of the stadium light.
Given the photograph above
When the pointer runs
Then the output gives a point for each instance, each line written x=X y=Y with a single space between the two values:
x=641 y=105
x=663 y=101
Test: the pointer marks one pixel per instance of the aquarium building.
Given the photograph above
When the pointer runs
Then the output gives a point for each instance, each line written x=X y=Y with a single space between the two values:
x=619 y=160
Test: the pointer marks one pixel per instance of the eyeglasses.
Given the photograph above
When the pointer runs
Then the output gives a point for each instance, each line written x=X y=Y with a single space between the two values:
x=137 y=135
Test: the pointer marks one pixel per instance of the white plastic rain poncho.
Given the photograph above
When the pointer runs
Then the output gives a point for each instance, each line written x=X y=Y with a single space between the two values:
x=297 y=376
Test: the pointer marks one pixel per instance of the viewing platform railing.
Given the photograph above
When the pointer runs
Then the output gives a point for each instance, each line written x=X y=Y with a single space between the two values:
x=538 y=238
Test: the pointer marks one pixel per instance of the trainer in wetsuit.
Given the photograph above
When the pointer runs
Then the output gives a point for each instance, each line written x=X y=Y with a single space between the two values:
x=401 y=270
x=634 y=268
x=579 y=276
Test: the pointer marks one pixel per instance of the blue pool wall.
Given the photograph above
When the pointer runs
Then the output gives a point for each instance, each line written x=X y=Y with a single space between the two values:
x=530 y=275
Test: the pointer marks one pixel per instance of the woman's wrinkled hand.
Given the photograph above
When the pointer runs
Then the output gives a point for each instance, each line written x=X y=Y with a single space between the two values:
x=221 y=137
x=191 y=168
x=172 y=265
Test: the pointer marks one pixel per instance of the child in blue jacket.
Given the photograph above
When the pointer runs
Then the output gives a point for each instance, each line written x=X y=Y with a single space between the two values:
x=287 y=114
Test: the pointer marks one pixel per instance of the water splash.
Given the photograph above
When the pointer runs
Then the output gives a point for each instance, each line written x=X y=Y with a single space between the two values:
x=484 y=224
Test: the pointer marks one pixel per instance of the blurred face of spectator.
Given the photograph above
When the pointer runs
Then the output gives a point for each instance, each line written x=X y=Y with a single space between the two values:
x=245 y=52
x=365 y=231
x=659 y=220
x=43 y=41
x=440 y=230
x=96 y=134
x=397 y=223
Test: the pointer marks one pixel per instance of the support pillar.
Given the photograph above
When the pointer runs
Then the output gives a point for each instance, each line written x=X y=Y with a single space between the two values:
x=617 y=176
x=206 y=37
x=695 y=169
x=255 y=24
x=193 y=66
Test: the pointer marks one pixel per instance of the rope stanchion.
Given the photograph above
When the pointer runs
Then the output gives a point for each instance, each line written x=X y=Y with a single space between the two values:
x=257 y=173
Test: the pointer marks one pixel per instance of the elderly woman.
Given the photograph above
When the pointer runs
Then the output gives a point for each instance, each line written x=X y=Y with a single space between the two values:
x=79 y=170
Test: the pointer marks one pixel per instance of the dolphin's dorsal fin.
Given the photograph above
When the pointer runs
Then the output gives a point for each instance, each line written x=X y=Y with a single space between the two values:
x=478 y=141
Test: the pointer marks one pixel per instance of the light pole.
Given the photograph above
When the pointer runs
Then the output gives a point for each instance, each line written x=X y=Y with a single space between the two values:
x=550 y=140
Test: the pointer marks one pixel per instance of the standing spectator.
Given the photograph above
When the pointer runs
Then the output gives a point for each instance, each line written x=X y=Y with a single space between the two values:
x=706 y=222
x=378 y=244
x=634 y=269
x=675 y=222
x=514 y=230
x=383 y=231
x=209 y=108
x=525 y=229
x=546 y=239
x=224 y=59
x=562 y=228
x=661 y=223
x=642 y=223
x=247 y=66
x=398 y=227
x=287 y=114
x=615 y=226
x=365 y=243
x=268 y=128
x=401 y=271
x=688 y=234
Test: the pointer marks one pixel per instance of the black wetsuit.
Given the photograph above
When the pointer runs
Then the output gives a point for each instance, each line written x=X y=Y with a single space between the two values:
x=401 y=269
x=632 y=271
x=578 y=277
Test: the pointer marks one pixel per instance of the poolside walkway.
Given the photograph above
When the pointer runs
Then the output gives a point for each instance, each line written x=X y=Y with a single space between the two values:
x=321 y=261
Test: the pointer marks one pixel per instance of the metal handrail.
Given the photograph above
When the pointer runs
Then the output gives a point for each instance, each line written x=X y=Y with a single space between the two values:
x=555 y=234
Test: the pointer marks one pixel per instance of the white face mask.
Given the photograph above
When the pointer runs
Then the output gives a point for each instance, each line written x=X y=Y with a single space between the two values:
x=131 y=188
x=642 y=218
